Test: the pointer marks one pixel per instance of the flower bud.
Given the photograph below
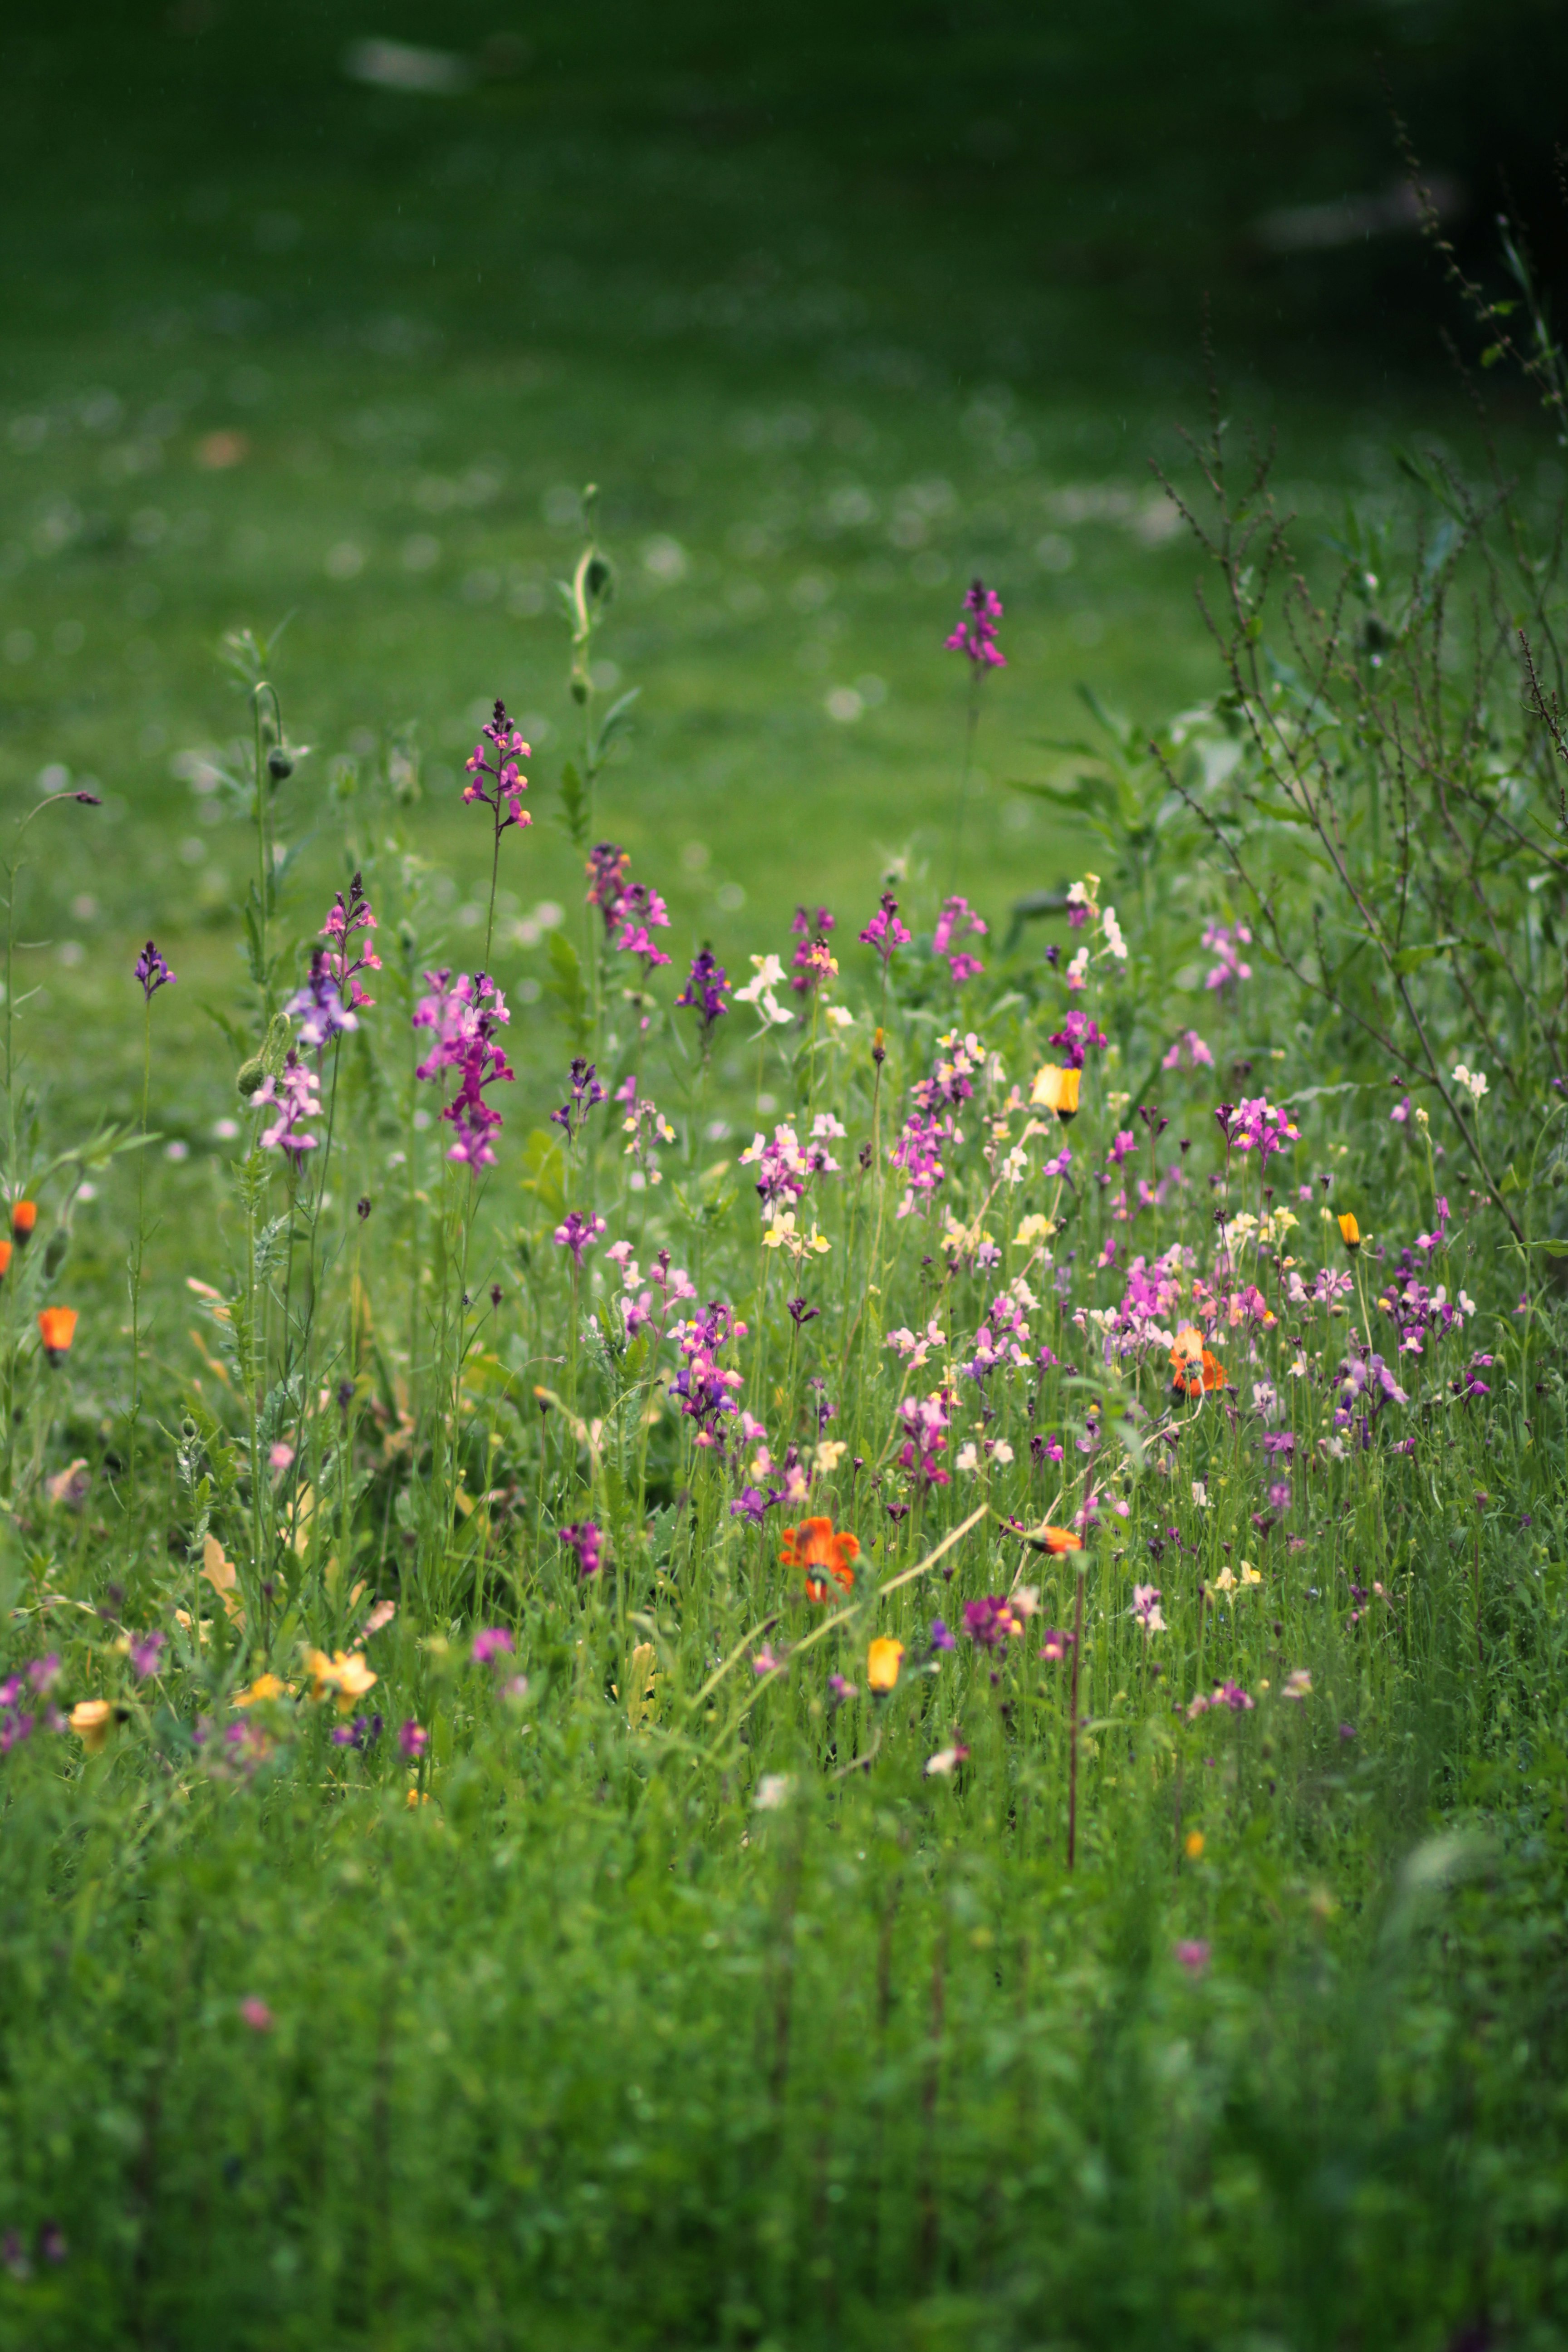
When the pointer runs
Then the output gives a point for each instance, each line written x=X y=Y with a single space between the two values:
x=279 y=763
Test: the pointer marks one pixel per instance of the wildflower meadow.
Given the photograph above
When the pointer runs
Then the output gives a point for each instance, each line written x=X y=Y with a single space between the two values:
x=859 y=1647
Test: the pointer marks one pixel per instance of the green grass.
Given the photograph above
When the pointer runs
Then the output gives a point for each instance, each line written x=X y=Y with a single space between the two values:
x=702 y=2013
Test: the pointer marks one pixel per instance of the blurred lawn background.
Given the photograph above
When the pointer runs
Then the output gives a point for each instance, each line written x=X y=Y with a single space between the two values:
x=839 y=304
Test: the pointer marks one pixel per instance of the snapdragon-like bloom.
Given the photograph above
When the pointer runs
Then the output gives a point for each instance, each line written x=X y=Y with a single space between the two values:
x=989 y=1623
x=814 y=961
x=1146 y=1608
x=704 y=992
x=318 y=1007
x=632 y=910
x=583 y=1538
x=768 y=976
x=586 y=1092
x=1078 y=1033
x=152 y=971
x=295 y=1094
x=958 y=920
x=1255 y=1124
x=885 y=932
x=494 y=774
x=1189 y=1051
x=344 y=964
x=1226 y=941
x=578 y=1233
x=977 y=635
x=465 y=1015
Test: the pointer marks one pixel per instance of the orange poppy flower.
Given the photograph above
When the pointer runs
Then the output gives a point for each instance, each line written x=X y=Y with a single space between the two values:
x=5 y=1259
x=24 y=1217
x=56 y=1329
x=1058 y=1539
x=815 y=1547
x=1193 y=1366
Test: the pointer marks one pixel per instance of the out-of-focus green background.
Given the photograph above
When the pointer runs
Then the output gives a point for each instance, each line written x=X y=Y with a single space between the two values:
x=839 y=304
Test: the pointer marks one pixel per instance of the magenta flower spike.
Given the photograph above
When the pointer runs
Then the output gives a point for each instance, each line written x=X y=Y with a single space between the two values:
x=976 y=634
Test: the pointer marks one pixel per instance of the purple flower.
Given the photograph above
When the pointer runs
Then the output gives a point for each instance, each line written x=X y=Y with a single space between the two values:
x=1193 y=1953
x=940 y=1639
x=988 y=1622
x=343 y=921
x=152 y=971
x=1075 y=1035
x=584 y=1541
x=976 y=636
x=704 y=992
x=465 y=1016
x=362 y=1733
x=493 y=1641
x=586 y=1091
x=318 y=1007
x=45 y=1673
x=841 y=1689
x=147 y=1653
x=1225 y=940
x=1279 y=1495
x=495 y=763
x=885 y=932
x=957 y=921
x=578 y=1233
x=295 y=1096
x=413 y=1740
x=752 y=1503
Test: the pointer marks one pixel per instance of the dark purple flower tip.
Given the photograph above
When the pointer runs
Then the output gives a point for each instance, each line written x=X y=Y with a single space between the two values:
x=152 y=971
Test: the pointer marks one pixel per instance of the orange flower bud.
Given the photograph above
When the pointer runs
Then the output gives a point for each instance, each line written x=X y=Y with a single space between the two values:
x=24 y=1217
x=56 y=1329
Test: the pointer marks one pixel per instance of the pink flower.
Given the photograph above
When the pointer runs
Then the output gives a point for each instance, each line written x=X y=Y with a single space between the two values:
x=1193 y=1953
x=256 y=2015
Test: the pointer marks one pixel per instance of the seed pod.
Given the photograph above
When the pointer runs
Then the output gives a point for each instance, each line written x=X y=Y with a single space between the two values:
x=279 y=763
x=55 y=1255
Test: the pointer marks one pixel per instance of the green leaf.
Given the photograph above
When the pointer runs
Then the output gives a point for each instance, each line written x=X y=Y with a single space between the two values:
x=544 y=1171
x=565 y=987
x=573 y=815
x=1411 y=958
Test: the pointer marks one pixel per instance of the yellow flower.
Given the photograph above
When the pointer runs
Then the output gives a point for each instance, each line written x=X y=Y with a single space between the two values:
x=1350 y=1232
x=264 y=1686
x=1250 y=1575
x=883 y=1660
x=1057 y=1090
x=1033 y=1230
x=354 y=1678
x=90 y=1719
x=1192 y=1845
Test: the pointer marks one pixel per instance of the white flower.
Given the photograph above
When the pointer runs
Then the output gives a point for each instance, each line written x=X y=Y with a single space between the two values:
x=1200 y=1494
x=772 y=1790
x=1473 y=1081
x=759 y=992
x=968 y=1457
x=838 y=1017
x=1298 y=1683
x=1034 y=1229
x=1113 y=938
x=945 y=1761
x=1001 y=1450
x=829 y=1454
x=1077 y=970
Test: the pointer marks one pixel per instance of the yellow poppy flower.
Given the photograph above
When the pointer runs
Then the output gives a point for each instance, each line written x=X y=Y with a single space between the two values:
x=883 y=1660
